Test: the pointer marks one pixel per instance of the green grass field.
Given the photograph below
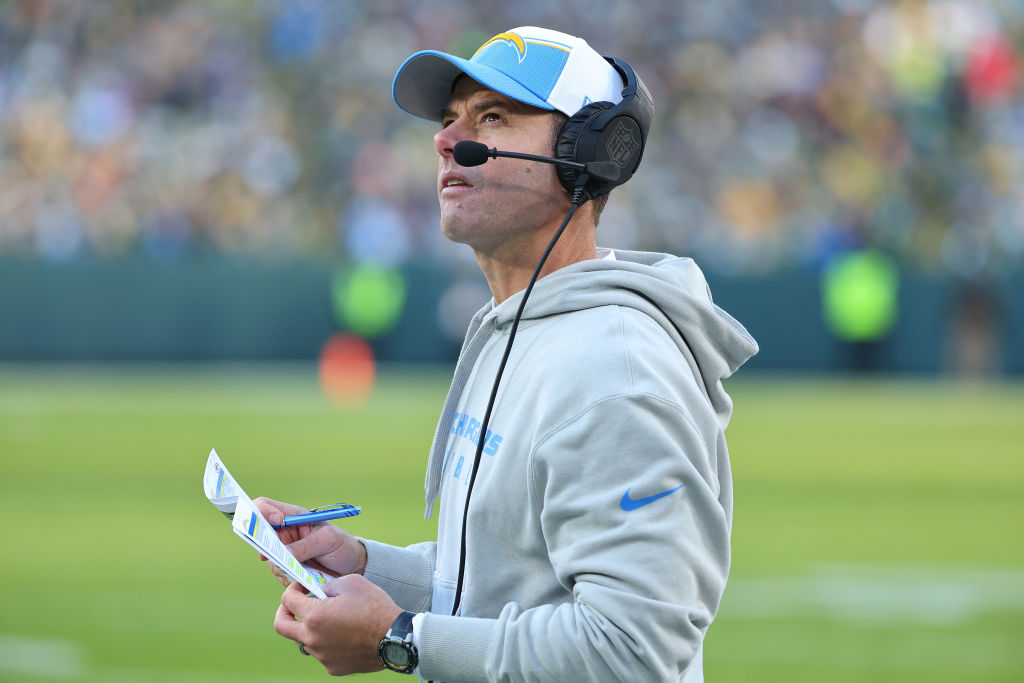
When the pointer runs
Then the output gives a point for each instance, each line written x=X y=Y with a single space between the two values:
x=878 y=533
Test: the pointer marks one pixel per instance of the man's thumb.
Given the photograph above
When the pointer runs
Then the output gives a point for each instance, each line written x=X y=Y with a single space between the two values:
x=300 y=549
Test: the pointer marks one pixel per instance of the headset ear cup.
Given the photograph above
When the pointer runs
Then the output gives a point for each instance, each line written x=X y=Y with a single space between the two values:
x=568 y=148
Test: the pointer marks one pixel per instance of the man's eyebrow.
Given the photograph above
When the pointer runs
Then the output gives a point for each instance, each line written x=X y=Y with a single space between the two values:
x=493 y=103
x=490 y=103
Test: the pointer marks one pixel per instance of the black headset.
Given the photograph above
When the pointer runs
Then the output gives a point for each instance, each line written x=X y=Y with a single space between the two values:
x=606 y=131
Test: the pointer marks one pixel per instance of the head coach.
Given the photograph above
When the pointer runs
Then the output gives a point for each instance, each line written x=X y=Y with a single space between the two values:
x=579 y=465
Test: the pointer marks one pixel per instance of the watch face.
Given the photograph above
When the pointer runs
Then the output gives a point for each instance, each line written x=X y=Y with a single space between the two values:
x=397 y=655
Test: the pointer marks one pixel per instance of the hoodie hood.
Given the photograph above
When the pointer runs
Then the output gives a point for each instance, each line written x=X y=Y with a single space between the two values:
x=669 y=288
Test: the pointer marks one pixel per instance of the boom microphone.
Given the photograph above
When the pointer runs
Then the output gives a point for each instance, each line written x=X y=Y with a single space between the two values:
x=472 y=153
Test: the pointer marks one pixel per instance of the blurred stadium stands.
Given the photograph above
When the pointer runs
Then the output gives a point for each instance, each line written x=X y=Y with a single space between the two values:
x=170 y=133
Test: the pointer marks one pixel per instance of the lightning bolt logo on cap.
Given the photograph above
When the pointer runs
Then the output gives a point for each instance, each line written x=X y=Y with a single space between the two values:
x=513 y=39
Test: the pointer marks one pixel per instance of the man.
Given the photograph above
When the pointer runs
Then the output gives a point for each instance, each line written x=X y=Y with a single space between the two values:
x=596 y=545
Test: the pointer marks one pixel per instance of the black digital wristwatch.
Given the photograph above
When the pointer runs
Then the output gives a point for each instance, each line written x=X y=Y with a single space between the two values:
x=396 y=650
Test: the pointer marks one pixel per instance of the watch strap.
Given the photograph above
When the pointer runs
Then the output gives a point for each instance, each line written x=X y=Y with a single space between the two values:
x=401 y=627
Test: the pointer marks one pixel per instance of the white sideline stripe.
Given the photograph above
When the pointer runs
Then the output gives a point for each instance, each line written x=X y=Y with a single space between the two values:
x=919 y=595
x=40 y=657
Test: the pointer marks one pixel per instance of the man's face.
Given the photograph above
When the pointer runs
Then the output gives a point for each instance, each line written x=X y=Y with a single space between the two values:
x=504 y=201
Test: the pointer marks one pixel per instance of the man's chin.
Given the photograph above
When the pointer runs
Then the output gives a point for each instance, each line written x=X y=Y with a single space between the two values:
x=477 y=239
x=453 y=233
x=457 y=229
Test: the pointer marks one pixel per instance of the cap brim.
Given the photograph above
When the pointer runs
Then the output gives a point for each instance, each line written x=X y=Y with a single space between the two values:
x=424 y=82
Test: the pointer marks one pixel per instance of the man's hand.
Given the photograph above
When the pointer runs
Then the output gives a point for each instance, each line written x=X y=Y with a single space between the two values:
x=343 y=631
x=323 y=546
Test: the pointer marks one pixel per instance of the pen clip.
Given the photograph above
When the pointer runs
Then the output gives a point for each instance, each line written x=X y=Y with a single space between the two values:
x=332 y=506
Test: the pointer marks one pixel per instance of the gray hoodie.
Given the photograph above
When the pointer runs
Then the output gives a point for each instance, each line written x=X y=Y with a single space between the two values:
x=598 y=536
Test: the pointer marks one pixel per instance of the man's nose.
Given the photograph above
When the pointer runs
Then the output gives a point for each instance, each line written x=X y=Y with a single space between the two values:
x=445 y=139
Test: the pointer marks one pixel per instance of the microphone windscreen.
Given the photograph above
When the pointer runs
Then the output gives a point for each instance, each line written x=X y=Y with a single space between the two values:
x=469 y=153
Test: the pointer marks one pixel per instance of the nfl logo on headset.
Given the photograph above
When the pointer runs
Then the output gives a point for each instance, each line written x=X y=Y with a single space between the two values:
x=623 y=144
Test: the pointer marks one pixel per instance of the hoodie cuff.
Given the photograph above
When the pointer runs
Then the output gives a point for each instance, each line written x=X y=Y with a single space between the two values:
x=455 y=648
x=404 y=574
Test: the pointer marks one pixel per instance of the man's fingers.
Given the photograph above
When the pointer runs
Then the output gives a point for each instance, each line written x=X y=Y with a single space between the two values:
x=285 y=624
x=270 y=509
x=294 y=599
x=314 y=544
x=275 y=511
x=342 y=585
x=301 y=549
x=280 y=575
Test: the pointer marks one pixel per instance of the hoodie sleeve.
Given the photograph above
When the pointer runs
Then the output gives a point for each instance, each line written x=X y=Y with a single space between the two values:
x=637 y=527
x=404 y=573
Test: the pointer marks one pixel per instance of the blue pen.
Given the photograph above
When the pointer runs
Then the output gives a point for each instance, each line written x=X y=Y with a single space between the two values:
x=320 y=514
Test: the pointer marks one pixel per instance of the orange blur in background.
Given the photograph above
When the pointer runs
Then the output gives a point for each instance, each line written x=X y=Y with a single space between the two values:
x=348 y=369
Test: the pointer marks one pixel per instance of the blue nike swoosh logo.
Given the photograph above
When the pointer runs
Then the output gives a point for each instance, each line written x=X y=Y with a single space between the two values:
x=628 y=503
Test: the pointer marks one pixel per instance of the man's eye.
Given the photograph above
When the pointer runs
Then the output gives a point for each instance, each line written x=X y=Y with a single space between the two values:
x=491 y=116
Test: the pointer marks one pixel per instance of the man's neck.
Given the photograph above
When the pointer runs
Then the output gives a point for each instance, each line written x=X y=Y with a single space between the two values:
x=509 y=268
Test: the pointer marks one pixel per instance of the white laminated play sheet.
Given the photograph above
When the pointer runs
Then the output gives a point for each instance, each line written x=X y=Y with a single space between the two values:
x=246 y=521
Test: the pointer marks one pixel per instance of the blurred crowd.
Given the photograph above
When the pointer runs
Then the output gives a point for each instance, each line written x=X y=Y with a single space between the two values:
x=785 y=130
